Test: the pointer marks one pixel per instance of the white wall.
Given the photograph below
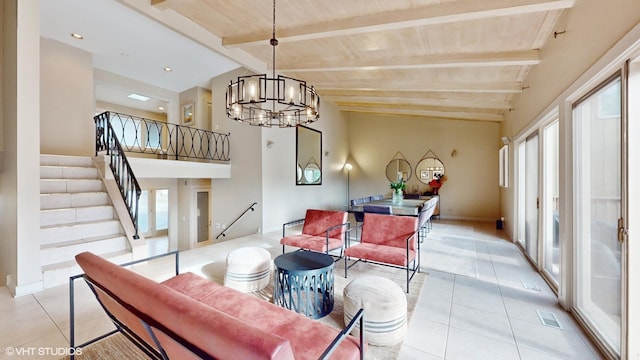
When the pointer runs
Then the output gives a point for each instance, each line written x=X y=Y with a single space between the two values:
x=471 y=189
x=19 y=180
x=67 y=100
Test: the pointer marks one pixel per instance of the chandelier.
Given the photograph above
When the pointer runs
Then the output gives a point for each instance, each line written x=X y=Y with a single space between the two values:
x=260 y=100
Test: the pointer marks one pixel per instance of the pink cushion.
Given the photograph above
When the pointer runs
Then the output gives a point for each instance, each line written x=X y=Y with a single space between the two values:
x=316 y=222
x=218 y=334
x=390 y=230
x=380 y=253
x=308 y=338
x=314 y=231
x=315 y=243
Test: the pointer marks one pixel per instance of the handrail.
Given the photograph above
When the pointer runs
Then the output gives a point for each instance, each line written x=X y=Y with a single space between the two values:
x=238 y=218
x=120 y=167
x=146 y=136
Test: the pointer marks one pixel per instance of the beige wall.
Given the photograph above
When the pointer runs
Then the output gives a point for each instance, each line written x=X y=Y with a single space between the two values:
x=230 y=197
x=471 y=191
x=67 y=100
x=283 y=199
x=592 y=28
x=267 y=175
x=105 y=106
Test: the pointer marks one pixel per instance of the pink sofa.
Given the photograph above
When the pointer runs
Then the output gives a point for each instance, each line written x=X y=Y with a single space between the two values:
x=189 y=317
x=388 y=240
x=322 y=231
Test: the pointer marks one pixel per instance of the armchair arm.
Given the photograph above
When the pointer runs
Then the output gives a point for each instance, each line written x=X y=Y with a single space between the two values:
x=348 y=240
x=326 y=238
x=415 y=233
x=291 y=223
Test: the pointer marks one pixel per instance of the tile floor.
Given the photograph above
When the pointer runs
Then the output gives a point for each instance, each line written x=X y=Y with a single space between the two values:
x=475 y=309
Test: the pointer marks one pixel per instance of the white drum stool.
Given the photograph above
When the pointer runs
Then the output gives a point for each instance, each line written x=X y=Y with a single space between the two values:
x=385 y=309
x=248 y=269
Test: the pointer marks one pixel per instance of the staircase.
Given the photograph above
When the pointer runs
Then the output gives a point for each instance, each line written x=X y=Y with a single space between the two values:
x=76 y=215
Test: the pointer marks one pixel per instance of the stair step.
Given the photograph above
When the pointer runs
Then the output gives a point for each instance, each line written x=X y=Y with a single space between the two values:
x=68 y=172
x=69 y=200
x=65 y=160
x=68 y=216
x=52 y=186
x=82 y=231
x=62 y=252
x=59 y=273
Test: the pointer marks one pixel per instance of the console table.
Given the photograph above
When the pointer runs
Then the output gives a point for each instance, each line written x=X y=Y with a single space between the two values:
x=304 y=283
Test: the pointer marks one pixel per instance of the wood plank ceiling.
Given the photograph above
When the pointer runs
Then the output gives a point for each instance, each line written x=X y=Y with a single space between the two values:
x=450 y=59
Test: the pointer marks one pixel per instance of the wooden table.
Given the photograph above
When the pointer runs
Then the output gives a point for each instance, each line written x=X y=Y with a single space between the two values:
x=407 y=207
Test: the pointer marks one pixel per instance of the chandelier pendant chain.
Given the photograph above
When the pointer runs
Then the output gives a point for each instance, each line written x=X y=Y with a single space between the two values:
x=274 y=43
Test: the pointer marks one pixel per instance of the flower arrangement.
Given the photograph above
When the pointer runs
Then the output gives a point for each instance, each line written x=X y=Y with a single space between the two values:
x=436 y=183
x=398 y=185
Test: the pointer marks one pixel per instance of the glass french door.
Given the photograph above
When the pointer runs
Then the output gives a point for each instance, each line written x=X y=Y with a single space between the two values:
x=551 y=200
x=153 y=212
x=529 y=199
x=598 y=206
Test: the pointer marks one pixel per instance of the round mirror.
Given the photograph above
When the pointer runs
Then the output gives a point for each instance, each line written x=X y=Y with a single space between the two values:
x=428 y=169
x=398 y=169
x=312 y=173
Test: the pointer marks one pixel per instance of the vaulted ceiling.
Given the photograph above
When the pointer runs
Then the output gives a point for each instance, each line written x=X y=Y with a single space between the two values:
x=451 y=59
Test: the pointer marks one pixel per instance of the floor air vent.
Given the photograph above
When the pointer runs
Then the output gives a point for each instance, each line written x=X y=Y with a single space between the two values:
x=530 y=285
x=549 y=319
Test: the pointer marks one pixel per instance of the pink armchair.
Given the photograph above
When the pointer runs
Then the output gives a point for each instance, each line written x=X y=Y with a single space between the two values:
x=323 y=231
x=387 y=240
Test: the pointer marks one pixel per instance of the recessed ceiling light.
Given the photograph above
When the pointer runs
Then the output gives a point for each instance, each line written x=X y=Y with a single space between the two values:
x=77 y=36
x=161 y=108
x=138 y=97
x=167 y=69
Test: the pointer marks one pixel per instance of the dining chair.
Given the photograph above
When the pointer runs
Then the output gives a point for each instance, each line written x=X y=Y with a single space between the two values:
x=377 y=209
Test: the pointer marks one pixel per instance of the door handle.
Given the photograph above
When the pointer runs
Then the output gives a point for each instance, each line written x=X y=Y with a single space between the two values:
x=622 y=231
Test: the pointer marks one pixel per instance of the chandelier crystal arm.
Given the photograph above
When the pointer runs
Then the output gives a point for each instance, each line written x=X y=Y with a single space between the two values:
x=292 y=101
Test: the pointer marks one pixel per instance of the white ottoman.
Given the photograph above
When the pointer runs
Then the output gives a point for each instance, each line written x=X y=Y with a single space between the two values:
x=385 y=309
x=248 y=269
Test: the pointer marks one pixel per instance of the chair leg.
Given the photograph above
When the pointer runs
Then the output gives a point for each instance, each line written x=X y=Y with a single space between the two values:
x=345 y=266
x=407 y=277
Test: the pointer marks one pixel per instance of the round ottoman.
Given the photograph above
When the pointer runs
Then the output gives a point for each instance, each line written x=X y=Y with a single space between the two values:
x=385 y=309
x=248 y=269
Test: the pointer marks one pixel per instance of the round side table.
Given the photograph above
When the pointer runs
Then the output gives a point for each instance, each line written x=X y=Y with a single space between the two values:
x=304 y=283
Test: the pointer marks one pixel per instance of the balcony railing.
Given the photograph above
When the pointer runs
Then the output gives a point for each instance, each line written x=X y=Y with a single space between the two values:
x=145 y=136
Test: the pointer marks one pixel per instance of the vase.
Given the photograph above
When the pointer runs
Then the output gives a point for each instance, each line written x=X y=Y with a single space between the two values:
x=397 y=195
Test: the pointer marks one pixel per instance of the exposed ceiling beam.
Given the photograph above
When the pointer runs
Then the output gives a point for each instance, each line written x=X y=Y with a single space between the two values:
x=450 y=103
x=431 y=114
x=517 y=58
x=402 y=19
x=492 y=87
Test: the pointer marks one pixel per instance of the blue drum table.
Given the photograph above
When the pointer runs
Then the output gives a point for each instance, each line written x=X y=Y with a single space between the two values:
x=304 y=283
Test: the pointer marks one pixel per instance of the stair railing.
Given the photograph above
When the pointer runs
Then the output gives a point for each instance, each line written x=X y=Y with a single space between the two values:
x=106 y=140
x=236 y=220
